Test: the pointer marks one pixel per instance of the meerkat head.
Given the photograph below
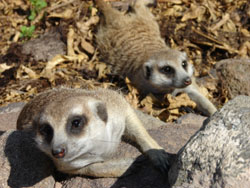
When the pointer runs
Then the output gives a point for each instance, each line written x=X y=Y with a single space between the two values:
x=168 y=70
x=71 y=129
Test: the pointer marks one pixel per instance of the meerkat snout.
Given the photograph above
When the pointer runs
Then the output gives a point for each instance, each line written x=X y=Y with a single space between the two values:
x=46 y=133
x=187 y=81
x=58 y=152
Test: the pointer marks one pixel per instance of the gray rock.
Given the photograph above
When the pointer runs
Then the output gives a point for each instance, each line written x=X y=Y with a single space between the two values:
x=148 y=121
x=234 y=76
x=22 y=164
x=9 y=114
x=191 y=118
x=219 y=154
x=45 y=47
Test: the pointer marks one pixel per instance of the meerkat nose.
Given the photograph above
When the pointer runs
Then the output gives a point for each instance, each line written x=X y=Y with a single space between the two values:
x=188 y=81
x=58 y=153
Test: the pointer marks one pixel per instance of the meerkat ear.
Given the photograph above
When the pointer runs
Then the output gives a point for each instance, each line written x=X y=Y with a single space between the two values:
x=147 y=69
x=102 y=111
x=99 y=109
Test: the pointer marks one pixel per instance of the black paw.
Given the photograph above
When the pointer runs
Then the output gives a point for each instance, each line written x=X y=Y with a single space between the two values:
x=160 y=159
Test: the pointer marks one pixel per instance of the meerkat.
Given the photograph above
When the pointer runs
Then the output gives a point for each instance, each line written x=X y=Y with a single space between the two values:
x=80 y=129
x=132 y=45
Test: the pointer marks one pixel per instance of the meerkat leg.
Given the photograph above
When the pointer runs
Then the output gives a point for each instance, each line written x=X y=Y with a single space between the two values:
x=203 y=104
x=107 y=169
x=136 y=132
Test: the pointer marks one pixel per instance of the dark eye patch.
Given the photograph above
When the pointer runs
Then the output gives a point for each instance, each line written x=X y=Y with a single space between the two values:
x=76 y=124
x=46 y=131
x=148 y=72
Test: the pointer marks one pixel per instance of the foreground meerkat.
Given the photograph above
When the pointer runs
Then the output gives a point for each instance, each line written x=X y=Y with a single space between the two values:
x=132 y=45
x=81 y=129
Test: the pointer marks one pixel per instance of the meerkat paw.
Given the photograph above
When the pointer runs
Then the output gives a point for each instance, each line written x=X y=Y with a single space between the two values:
x=160 y=159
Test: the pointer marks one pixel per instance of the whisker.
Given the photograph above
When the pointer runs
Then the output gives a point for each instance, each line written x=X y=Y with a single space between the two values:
x=113 y=142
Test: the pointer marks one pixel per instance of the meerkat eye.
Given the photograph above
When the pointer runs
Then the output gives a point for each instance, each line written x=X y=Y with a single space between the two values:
x=76 y=124
x=184 y=64
x=167 y=70
x=46 y=131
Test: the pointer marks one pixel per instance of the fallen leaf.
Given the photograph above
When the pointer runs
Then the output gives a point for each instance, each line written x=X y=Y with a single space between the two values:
x=194 y=12
x=4 y=67
x=87 y=46
x=66 y=14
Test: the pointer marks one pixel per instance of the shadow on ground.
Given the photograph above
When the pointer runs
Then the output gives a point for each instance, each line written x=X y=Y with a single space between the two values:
x=28 y=165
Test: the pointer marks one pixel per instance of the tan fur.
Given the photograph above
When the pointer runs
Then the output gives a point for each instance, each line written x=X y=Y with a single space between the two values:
x=88 y=152
x=127 y=41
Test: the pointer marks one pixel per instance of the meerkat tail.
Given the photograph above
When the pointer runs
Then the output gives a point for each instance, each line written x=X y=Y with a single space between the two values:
x=106 y=169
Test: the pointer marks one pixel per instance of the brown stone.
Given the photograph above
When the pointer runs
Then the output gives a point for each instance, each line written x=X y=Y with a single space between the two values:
x=234 y=76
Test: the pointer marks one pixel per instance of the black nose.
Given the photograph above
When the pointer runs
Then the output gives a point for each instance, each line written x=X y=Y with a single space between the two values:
x=58 y=153
x=187 y=81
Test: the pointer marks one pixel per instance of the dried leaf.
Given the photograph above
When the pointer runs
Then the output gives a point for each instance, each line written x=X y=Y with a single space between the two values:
x=224 y=19
x=4 y=67
x=180 y=100
x=194 y=12
x=101 y=67
x=87 y=46
x=84 y=27
x=70 y=42
x=245 y=32
x=30 y=73
x=66 y=14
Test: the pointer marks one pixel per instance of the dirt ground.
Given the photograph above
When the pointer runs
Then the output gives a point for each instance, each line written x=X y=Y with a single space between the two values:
x=62 y=50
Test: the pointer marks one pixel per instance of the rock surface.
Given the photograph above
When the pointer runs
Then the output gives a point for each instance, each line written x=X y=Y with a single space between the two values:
x=45 y=47
x=219 y=154
x=234 y=76
x=22 y=164
x=9 y=115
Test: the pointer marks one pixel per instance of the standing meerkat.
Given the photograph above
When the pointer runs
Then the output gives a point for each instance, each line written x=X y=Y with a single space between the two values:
x=81 y=129
x=131 y=43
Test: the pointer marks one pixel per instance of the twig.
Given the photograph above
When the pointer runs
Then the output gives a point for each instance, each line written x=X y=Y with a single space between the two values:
x=219 y=44
x=60 y=5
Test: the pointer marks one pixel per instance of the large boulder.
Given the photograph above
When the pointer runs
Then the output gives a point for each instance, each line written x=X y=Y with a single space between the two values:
x=9 y=114
x=219 y=154
x=234 y=76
